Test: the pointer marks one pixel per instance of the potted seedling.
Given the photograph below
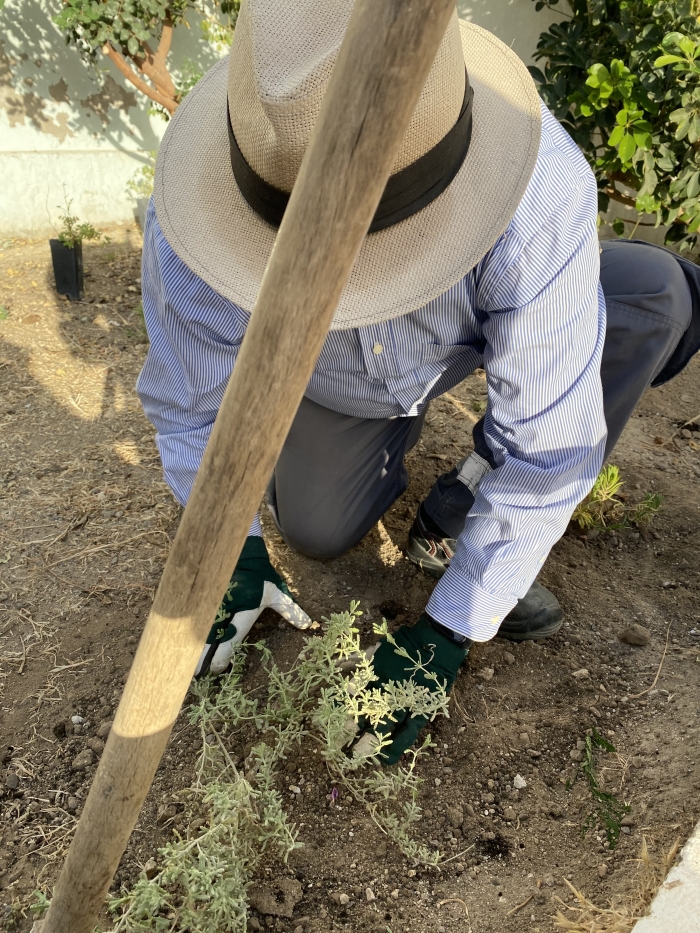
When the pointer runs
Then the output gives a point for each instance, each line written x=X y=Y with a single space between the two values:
x=67 y=253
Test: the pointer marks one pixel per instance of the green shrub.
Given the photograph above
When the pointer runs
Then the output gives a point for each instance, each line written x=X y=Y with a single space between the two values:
x=623 y=77
x=202 y=882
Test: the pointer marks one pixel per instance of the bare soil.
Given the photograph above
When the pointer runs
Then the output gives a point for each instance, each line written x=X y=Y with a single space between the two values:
x=86 y=525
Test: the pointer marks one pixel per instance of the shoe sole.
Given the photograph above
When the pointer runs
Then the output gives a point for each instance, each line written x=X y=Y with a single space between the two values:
x=545 y=631
x=423 y=559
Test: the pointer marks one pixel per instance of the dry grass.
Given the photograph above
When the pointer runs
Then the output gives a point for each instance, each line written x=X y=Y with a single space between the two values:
x=618 y=918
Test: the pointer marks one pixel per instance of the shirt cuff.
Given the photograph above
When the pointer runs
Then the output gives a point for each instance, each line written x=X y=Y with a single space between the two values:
x=256 y=527
x=465 y=607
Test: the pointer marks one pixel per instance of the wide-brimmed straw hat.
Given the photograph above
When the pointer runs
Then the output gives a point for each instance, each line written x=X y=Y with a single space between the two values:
x=233 y=149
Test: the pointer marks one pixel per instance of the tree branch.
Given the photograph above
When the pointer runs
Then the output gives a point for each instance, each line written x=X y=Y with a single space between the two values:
x=616 y=195
x=166 y=37
x=154 y=94
x=153 y=65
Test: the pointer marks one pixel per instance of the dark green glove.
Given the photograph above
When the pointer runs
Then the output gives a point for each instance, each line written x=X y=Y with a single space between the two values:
x=255 y=585
x=437 y=654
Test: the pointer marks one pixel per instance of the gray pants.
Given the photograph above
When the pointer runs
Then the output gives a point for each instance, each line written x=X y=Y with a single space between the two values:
x=337 y=475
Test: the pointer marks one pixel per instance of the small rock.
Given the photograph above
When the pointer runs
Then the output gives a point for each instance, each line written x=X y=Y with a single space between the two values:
x=576 y=755
x=97 y=745
x=635 y=635
x=486 y=673
x=469 y=809
x=508 y=657
x=83 y=760
x=76 y=720
x=343 y=900
x=519 y=782
x=524 y=738
x=509 y=815
x=276 y=899
x=294 y=789
x=72 y=804
x=299 y=929
x=395 y=894
x=455 y=816
x=370 y=895
x=151 y=869
x=627 y=820
x=12 y=781
x=549 y=880
x=104 y=728
x=583 y=674
x=254 y=924
x=602 y=870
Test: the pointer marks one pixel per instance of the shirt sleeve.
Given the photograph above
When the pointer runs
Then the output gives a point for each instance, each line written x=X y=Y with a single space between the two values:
x=543 y=316
x=195 y=336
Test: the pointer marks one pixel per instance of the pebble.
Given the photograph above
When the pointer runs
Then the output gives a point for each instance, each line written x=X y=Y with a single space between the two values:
x=602 y=870
x=343 y=900
x=508 y=657
x=83 y=760
x=576 y=755
x=509 y=815
x=455 y=816
x=76 y=720
x=72 y=803
x=254 y=923
x=97 y=745
x=486 y=673
x=370 y=895
x=294 y=789
x=583 y=674
x=635 y=635
x=151 y=869
x=12 y=781
x=469 y=809
x=519 y=782
x=525 y=738
x=104 y=728
x=395 y=894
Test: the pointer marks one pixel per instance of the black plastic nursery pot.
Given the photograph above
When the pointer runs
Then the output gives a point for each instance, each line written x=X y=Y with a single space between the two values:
x=68 y=269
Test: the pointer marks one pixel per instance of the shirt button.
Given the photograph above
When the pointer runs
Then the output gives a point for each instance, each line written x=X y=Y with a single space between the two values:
x=377 y=349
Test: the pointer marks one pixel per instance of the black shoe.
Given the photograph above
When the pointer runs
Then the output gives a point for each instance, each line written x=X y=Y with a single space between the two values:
x=428 y=546
x=536 y=615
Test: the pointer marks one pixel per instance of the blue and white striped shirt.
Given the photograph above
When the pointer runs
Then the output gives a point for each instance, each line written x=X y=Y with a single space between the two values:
x=531 y=313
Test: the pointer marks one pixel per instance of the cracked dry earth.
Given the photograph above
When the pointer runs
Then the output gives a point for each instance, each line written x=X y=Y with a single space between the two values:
x=86 y=525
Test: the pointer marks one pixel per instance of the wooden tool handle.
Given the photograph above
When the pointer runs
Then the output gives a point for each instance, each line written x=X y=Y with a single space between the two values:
x=381 y=68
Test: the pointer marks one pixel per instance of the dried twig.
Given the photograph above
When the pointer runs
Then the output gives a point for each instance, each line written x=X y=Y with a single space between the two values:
x=518 y=907
x=455 y=900
x=636 y=696
x=106 y=547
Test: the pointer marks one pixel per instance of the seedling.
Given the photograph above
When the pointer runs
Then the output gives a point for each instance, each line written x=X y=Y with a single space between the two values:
x=604 y=507
x=608 y=810
x=73 y=232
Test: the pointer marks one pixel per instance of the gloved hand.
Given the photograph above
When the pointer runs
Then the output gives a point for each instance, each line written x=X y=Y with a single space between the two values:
x=438 y=655
x=255 y=585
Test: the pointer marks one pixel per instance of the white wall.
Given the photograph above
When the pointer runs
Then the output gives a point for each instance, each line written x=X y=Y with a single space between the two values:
x=64 y=124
